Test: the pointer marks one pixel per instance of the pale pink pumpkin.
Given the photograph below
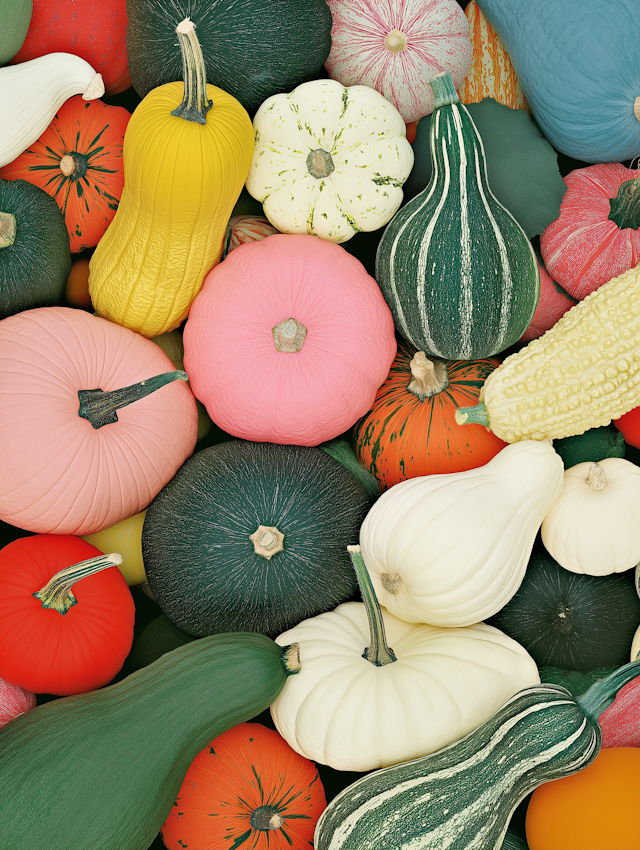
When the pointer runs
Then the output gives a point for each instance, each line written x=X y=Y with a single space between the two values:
x=553 y=304
x=58 y=473
x=14 y=701
x=397 y=46
x=584 y=248
x=315 y=302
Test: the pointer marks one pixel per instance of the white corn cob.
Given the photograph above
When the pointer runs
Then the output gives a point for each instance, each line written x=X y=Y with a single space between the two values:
x=581 y=374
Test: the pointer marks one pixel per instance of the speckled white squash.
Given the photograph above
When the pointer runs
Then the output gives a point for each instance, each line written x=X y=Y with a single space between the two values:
x=329 y=160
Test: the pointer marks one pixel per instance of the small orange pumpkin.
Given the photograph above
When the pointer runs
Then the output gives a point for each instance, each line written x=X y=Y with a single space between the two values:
x=247 y=789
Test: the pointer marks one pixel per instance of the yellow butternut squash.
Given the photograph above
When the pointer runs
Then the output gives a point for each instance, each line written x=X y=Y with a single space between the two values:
x=187 y=152
x=581 y=374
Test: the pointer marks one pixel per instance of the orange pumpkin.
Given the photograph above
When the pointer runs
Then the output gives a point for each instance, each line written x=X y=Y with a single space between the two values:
x=411 y=428
x=249 y=790
x=78 y=161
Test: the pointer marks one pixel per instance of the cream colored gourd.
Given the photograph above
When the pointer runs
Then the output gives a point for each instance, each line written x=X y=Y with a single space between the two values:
x=452 y=549
x=419 y=688
x=329 y=160
x=32 y=92
x=594 y=525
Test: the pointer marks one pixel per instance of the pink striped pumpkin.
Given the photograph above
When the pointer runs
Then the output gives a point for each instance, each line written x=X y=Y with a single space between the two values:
x=397 y=46
x=14 y=700
x=257 y=387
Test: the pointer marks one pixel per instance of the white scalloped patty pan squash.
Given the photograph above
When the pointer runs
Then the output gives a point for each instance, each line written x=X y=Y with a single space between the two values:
x=329 y=160
x=452 y=549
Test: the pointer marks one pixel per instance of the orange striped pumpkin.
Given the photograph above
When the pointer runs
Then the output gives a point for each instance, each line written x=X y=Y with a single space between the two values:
x=246 y=790
x=491 y=73
x=409 y=432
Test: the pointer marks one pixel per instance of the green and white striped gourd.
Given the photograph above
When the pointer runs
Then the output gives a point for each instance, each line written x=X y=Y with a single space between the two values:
x=462 y=796
x=455 y=267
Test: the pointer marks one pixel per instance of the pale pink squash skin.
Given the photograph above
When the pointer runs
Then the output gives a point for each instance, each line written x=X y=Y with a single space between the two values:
x=14 y=700
x=58 y=474
x=437 y=39
x=582 y=248
x=255 y=392
x=553 y=304
x=619 y=723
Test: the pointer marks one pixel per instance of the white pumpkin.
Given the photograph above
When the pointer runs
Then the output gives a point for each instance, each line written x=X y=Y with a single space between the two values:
x=344 y=711
x=328 y=160
x=594 y=526
x=32 y=92
x=452 y=549
x=396 y=48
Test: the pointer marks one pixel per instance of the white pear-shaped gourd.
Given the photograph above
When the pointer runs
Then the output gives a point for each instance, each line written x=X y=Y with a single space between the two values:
x=594 y=525
x=32 y=92
x=374 y=690
x=452 y=549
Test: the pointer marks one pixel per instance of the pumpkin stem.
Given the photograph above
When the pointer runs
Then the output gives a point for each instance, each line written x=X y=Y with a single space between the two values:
x=428 y=377
x=476 y=415
x=57 y=591
x=625 y=207
x=7 y=229
x=74 y=165
x=444 y=90
x=289 y=335
x=194 y=106
x=290 y=657
x=602 y=693
x=320 y=163
x=596 y=478
x=395 y=41
x=100 y=407
x=379 y=652
x=267 y=541
x=266 y=817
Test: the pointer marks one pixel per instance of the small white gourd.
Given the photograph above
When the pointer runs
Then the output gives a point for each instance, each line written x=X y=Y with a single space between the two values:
x=594 y=525
x=32 y=92
x=452 y=549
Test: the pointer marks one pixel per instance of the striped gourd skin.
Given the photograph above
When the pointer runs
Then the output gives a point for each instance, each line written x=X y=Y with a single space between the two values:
x=456 y=269
x=462 y=797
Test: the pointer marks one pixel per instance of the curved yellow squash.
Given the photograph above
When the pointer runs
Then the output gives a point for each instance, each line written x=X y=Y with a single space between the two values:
x=182 y=179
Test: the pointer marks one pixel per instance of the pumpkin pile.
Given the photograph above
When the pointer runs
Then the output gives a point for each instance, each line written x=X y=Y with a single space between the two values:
x=319 y=425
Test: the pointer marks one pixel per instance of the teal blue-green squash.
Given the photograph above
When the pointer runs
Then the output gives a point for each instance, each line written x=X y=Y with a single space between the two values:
x=101 y=770
x=252 y=537
x=462 y=797
x=456 y=269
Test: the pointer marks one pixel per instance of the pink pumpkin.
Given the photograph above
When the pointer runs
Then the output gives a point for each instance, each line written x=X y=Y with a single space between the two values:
x=619 y=723
x=14 y=700
x=67 y=466
x=288 y=341
x=553 y=304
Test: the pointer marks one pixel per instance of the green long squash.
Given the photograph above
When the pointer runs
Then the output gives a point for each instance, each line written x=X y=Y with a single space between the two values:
x=101 y=770
x=455 y=267
x=462 y=797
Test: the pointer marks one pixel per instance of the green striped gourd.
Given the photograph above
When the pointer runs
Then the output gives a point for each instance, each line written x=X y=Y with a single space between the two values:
x=455 y=267
x=462 y=796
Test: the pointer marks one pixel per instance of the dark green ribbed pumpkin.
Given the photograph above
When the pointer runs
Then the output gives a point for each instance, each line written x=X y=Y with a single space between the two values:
x=571 y=620
x=455 y=267
x=252 y=48
x=205 y=571
x=35 y=259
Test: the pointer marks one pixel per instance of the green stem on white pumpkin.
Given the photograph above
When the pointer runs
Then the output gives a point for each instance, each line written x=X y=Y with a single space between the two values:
x=602 y=693
x=378 y=652
x=476 y=415
x=194 y=106
x=428 y=377
x=7 y=229
x=625 y=207
x=57 y=593
x=100 y=407
x=596 y=479
x=444 y=90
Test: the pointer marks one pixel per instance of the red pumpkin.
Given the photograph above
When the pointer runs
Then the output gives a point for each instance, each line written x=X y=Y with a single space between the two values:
x=596 y=237
x=78 y=161
x=629 y=427
x=76 y=635
x=249 y=790
x=94 y=30
x=411 y=428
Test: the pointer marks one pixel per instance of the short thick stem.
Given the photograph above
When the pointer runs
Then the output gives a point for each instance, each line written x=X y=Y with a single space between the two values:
x=266 y=817
x=195 y=105
x=395 y=41
x=596 y=478
x=100 y=407
x=428 y=377
x=319 y=163
x=444 y=90
x=289 y=335
x=625 y=207
x=378 y=652
x=74 y=165
x=267 y=541
x=7 y=229
x=57 y=593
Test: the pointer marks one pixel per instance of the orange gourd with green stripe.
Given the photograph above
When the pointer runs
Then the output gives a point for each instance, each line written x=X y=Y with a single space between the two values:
x=187 y=152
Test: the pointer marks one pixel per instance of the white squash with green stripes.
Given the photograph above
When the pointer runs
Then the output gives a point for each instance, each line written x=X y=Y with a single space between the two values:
x=329 y=160
x=455 y=267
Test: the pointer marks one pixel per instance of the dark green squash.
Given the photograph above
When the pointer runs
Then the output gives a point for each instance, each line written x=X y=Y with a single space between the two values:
x=252 y=48
x=156 y=639
x=35 y=259
x=101 y=770
x=571 y=620
x=592 y=445
x=205 y=571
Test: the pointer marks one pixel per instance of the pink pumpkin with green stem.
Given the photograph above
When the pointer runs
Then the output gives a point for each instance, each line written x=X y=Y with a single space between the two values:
x=288 y=341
